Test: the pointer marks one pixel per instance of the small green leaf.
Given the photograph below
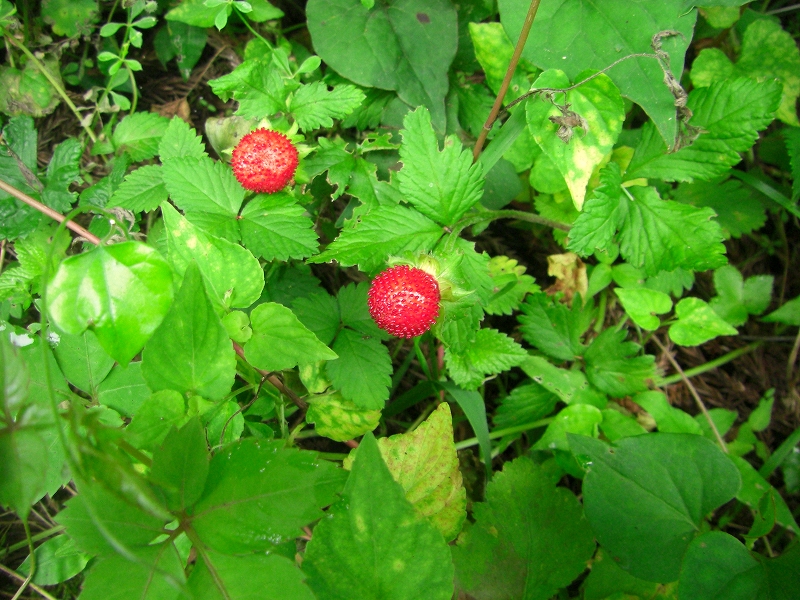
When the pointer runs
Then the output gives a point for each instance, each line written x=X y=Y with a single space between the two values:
x=614 y=367
x=263 y=11
x=528 y=402
x=83 y=361
x=492 y=352
x=668 y=418
x=314 y=105
x=510 y=285
x=339 y=419
x=276 y=227
x=154 y=419
x=552 y=327
x=120 y=292
x=57 y=560
x=570 y=386
x=180 y=141
x=363 y=369
x=139 y=134
x=736 y=298
x=583 y=419
x=142 y=190
x=697 y=323
x=180 y=465
x=788 y=314
x=642 y=305
x=124 y=389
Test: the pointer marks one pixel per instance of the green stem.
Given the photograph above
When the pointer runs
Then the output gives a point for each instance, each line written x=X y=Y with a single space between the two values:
x=423 y=362
x=498 y=433
x=246 y=22
x=135 y=100
x=32 y=555
x=201 y=550
x=710 y=365
x=780 y=454
x=39 y=536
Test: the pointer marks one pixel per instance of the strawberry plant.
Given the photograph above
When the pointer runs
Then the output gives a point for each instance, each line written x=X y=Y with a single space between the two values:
x=399 y=299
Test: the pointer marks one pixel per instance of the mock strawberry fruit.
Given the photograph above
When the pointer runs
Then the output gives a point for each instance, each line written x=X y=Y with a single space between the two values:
x=404 y=301
x=264 y=161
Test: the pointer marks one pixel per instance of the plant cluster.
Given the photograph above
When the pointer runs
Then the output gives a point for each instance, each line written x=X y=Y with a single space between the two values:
x=296 y=348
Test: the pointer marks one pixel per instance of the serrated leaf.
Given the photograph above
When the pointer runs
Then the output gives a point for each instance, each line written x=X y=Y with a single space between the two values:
x=373 y=544
x=731 y=112
x=139 y=134
x=643 y=304
x=339 y=419
x=142 y=190
x=314 y=105
x=552 y=327
x=381 y=232
x=275 y=227
x=739 y=209
x=599 y=103
x=362 y=372
x=121 y=292
x=603 y=214
x=233 y=276
x=697 y=323
x=510 y=285
x=280 y=341
x=529 y=538
x=62 y=171
x=260 y=493
x=190 y=352
x=424 y=462
x=258 y=85
x=613 y=367
x=570 y=386
x=444 y=184
x=319 y=312
x=354 y=310
x=526 y=403
x=180 y=141
x=491 y=353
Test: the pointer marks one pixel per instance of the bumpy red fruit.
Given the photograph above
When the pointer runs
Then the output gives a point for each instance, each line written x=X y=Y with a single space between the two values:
x=264 y=161
x=404 y=301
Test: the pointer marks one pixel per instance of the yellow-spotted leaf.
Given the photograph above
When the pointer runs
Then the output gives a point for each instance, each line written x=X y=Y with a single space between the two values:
x=591 y=121
x=340 y=419
x=424 y=462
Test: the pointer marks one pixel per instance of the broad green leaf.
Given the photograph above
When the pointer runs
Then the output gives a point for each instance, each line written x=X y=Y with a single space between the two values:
x=249 y=576
x=319 y=312
x=614 y=367
x=643 y=304
x=124 y=389
x=739 y=208
x=599 y=103
x=491 y=353
x=425 y=463
x=57 y=560
x=23 y=474
x=183 y=42
x=697 y=323
x=363 y=370
x=603 y=214
x=570 y=386
x=142 y=190
x=280 y=341
x=258 y=494
x=616 y=425
x=510 y=285
x=383 y=231
x=339 y=419
x=207 y=192
x=14 y=379
x=782 y=573
x=493 y=50
x=788 y=314
x=607 y=579
x=737 y=298
x=275 y=227
x=194 y=12
x=529 y=538
x=575 y=36
x=583 y=419
x=442 y=185
x=120 y=292
x=402 y=45
x=717 y=565
x=180 y=465
x=668 y=418
x=552 y=327
x=526 y=403
x=180 y=141
x=669 y=481
x=474 y=407
x=314 y=105
x=373 y=544
x=154 y=419
x=70 y=18
x=190 y=352
x=263 y=11
x=354 y=310
x=226 y=423
x=259 y=87
x=731 y=112
x=83 y=361
x=753 y=488
x=233 y=276
x=138 y=134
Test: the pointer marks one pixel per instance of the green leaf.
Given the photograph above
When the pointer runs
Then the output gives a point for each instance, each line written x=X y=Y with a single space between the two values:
x=154 y=419
x=180 y=465
x=180 y=141
x=190 y=352
x=753 y=489
x=207 y=191
x=57 y=560
x=717 y=565
x=792 y=137
x=363 y=370
x=616 y=425
x=263 y=11
x=124 y=389
x=280 y=341
x=240 y=577
x=339 y=419
x=643 y=304
x=319 y=312
x=424 y=462
x=120 y=292
x=528 y=402
x=275 y=227
x=258 y=494
x=583 y=419
x=83 y=361
x=510 y=285
x=607 y=579
x=24 y=460
x=258 y=85
x=599 y=103
x=669 y=481
x=142 y=190
x=739 y=209
x=442 y=185
x=529 y=538
x=314 y=105
x=70 y=18
x=402 y=45
x=233 y=276
x=139 y=134
x=493 y=50
x=383 y=231
x=373 y=544
x=552 y=327
x=595 y=34
x=613 y=367
x=62 y=171
x=354 y=310
x=570 y=386
x=697 y=323
x=788 y=314
x=731 y=112
x=668 y=418
x=194 y=12
x=491 y=353
x=737 y=298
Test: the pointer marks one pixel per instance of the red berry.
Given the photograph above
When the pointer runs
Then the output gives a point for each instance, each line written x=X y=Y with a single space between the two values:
x=264 y=161
x=404 y=301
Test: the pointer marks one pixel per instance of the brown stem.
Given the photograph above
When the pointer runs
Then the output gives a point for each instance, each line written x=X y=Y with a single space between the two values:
x=273 y=379
x=512 y=66
x=22 y=197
